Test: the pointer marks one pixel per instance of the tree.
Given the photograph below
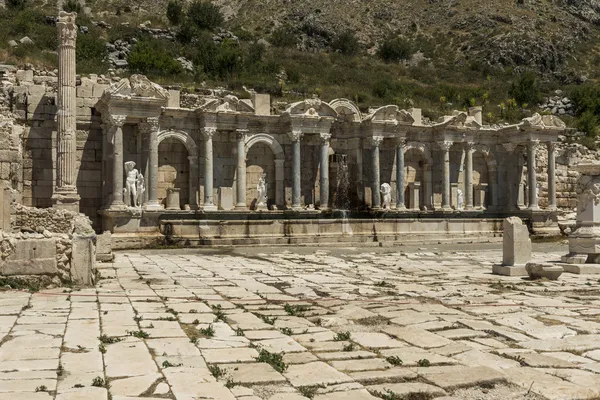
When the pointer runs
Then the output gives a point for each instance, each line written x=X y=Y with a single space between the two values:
x=175 y=12
x=205 y=15
x=346 y=43
x=526 y=89
x=395 y=49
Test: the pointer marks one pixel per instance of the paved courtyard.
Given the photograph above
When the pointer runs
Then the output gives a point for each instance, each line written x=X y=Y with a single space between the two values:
x=296 y=323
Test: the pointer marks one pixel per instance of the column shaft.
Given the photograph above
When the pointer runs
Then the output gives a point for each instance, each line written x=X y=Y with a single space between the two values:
x=400 y=177
x=241 y=171
x=324 y=176
x=469 y=177
x=375 y=195
x=445 y=146
x=65 y=195
x=150 y=129
x=209 y=203
x=551 y=176
x=532 y=181
x=117 y=183
x=296 y=172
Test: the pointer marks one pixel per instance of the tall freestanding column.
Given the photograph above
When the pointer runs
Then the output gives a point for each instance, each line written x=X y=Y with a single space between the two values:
x=532 y=146
x=375 y=187
x=117 y=122
x=209 y=204
x=65 y=195
x=469 y=147
x=445 y=147
x=400 y=174
x=551 y=176
x=324 y=176
x=150 y=128
x=295 y=136
x=241 y=170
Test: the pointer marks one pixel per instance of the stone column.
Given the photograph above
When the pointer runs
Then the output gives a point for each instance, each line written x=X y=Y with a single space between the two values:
x=209 y=203
x=117 y=181
x=532 y=146
x=324 y=176
x=295 y=136
x=241 y=170
x=469 y=148
x=400 y=174
x=193 y=182
x=445 y=147
x=150 y=128
x=279 y=184
x=107 y=156
x=375 y=187
x=65 y=194
x=551 y=175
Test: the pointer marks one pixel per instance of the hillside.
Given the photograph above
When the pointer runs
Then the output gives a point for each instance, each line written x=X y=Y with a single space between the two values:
x=506 y=55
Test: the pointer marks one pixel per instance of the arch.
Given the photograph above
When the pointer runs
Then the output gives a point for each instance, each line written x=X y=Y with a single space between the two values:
x=487 y=155
x=423 y=148
x=279 y=158
x=269 y=141
x=346 y=110
x=182 y=136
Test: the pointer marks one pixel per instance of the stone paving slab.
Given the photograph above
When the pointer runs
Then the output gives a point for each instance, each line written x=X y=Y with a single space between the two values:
x=191 y=325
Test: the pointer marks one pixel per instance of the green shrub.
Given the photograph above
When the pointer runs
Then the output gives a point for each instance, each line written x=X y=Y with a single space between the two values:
x=346 y=43
x=588 y=123
x=16 y=4
x=526 y=89
x=175 y=12
x=150 y=57
x=284 y=36
x=395 y=49
x=72 y=6
x=90 y=53
x=205 y=15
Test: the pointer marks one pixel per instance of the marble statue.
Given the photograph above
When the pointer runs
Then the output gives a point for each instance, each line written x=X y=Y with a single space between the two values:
x=460 y=199
x=261 y=188
x=131 y=183
x=140 y=189
x=386 y=191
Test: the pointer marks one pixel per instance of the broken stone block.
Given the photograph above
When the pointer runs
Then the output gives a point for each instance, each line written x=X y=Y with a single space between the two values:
x=548 y=271
x=516 y=249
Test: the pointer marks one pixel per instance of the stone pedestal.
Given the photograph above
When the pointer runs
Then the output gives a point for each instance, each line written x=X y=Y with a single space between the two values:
x=584 y=241
x=173 y=199
x=516 y=249
x=414 y=195
x=481 y=193
x=104 y=247
x=83 y=257
x=226 y=198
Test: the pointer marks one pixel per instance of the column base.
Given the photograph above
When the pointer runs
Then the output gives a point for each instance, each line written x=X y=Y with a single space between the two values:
x=533 y=208
x=210 y=207
x=241 y=207
x=296 y=207
x=469 y=208
x=154 y=206
x=118 y=207
x=66 y=200
x=446 y=208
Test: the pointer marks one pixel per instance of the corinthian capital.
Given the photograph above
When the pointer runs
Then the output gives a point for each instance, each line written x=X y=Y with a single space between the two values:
x=469 y=146
x=325 y=137
x=114 y=121
x=376 y=141
x=533 y=145
x=208 y=132
x=149 y=125
x=445 y=145
x=295 y=135
x=551 y=147
x=241 y=133
x=67 y=30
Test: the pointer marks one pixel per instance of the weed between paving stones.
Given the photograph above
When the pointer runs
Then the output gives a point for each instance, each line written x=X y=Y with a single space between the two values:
x=342 y=336
x=273 y=359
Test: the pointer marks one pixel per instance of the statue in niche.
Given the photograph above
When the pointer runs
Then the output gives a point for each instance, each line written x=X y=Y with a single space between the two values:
x=131 y=183
x=140 y=189
x=460 y=199
x=261 y=188
x=386 y=191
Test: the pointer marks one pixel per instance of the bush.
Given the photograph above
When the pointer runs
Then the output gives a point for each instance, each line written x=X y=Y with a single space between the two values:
x=72 y=6
x=588 y=123
x=150 y=57
x=346 y=43
x=284 y=36
x=175 y=12
x=16 y=4
x=90 y=53
x=526 y=89
x=586 y=98
x=205 y=15
x=395 y=49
